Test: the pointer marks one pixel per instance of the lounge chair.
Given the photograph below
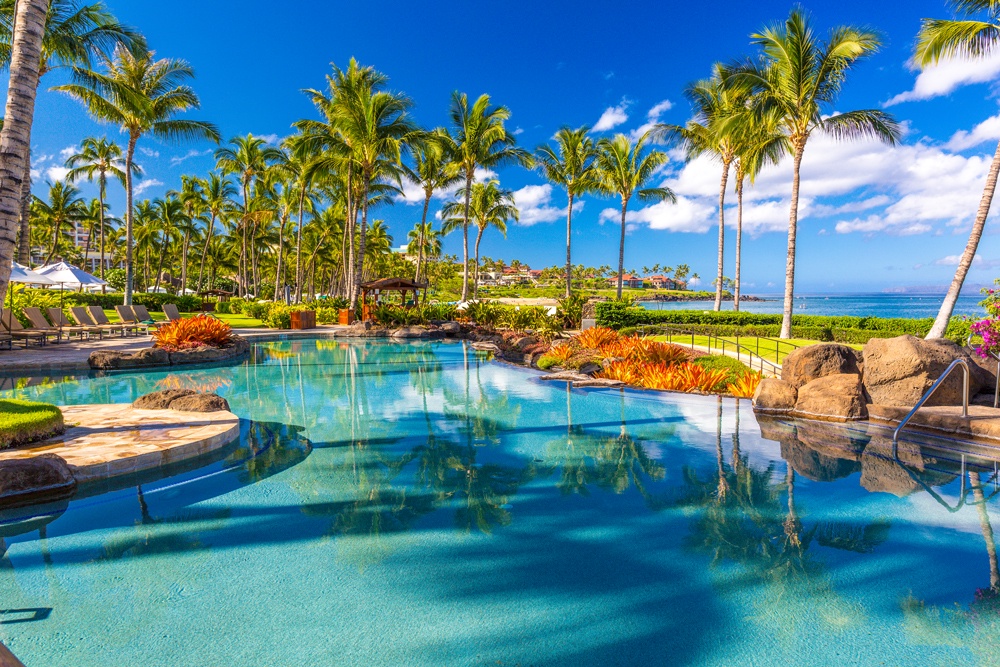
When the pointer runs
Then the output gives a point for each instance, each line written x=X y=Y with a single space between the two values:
x=39 y=322
x=58 y=318
x=101 y=319
x=8 y=339
x=13 y=326
x=142 y=316
x=170 y=310
x=82 y=317
x=127 y=316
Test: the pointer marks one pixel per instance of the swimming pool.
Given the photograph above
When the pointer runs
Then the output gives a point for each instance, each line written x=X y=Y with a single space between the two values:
x=415 y=504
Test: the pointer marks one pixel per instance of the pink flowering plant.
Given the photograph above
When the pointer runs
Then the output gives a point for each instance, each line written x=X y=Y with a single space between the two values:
x=989 y=328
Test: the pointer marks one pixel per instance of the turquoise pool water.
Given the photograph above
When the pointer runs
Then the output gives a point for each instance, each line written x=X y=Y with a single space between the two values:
x=415 y=504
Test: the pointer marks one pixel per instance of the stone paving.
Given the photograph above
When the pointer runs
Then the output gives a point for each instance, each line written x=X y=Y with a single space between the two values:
x=103 y=441
x=983 y=423
x=72 y=355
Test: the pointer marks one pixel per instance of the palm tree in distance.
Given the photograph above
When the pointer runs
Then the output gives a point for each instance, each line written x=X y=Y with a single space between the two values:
x=481 y=140
x=15 y=137
x=489 y=206
x=796 y=81
x=96 y=160
x=624 y=169
x=248 y=158
x=974 y=35
x=219 y=193
x=433 y=171
x=74 y=34
x=142 y=96
x=570 y=164
x=64 y=209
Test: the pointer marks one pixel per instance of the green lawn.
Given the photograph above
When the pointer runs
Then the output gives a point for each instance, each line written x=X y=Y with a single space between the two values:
x=765 y=348
x=25 y=421
x=235 y=321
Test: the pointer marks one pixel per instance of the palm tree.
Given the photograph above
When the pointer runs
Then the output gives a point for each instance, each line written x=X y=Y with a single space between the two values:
x=171 y=220
x=624 y=169
x=192 y=199
x=433 y=171
x=488 y=206
x=796 y=82
x=425 y=241
x=974 y=34
x=247 y=158
x=15 y=138
x=142 y=96
x=65 y=208
x=219 y=192
x=758 y=142
x=302 y=168
x=481 y=140
x=74 y=34
x=97 y=159
x=570 y=164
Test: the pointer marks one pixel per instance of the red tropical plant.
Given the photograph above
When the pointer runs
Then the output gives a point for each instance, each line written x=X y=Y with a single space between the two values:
x=191 y=332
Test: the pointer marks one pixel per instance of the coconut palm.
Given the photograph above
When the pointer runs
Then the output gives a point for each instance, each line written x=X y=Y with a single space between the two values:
x=796 y=82
x=433 y=171
x=63 y=211
x=96 y=160
x=301 y=167
x=248 y=158
x=142 y=96
x=171 y=221
x=424 y=241
x=624 y=169
x=74 y=34
x=219 y=192
x=15 y=138
x=571 y=165
x=481 y=140
x=489 y=205
x=974 y=34
x=758 y=142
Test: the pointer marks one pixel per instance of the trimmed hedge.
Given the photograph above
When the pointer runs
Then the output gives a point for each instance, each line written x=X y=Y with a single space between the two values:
x=843 y=329
x=185 y=303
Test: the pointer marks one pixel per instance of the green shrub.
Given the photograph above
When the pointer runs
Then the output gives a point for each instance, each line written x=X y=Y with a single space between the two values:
x=734 y=368
x=115 y=278
x=25 y=421
x=223 y=308
x=255 y=309
x=545 y=363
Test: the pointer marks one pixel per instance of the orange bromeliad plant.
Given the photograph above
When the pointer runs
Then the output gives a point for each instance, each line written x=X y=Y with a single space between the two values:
x=747 y=385
x=560 y=353
x=193 y=332
x=595 y=338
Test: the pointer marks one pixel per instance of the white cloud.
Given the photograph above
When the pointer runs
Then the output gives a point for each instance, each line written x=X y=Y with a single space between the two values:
x=518 y=130
x=177 y=159
x=144 y=185
x=947 y=75
x=149 y=152
x=653 y=117
x=56 y=173
x=65 y=153
x=953 y=260
x=988 y=130
x=687 y=215
x=534 y=202
x=269 y=138
x=612 y=117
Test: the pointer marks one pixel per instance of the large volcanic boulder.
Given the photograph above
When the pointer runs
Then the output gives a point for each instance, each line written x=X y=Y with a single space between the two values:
x=110 y=359
x=816 y=361
x=184 y=400
x=43 y=478
x=832 y=398
x=774 y=396
x=205 y=354
x=899 y=371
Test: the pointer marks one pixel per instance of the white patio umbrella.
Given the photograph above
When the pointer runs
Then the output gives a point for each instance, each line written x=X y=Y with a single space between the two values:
x=24 y=275
x=67 y=274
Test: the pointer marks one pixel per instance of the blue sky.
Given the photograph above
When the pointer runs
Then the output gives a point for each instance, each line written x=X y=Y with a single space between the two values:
x=873 y=217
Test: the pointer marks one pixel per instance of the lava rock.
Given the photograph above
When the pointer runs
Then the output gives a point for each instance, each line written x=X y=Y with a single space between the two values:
x=899 y=371
x=816 y=361
x=838 y=398
x=160 y=400
x=774 y=396
x=44 y=478
x=200 y=403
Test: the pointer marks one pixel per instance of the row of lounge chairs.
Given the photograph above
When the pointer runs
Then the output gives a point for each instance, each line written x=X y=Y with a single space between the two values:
x=88 y=321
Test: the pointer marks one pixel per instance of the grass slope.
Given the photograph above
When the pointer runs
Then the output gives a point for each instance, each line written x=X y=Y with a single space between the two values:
x=24 y=421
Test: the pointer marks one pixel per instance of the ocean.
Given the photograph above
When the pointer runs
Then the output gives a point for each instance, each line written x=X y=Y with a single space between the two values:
x=864 y=305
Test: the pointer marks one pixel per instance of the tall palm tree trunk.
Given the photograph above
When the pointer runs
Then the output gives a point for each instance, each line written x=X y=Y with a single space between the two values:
x=244 y=223
x=298 y=247
x=569 y=240
x=722 y=235
x=475 y=284
x=15 y=139
x=793 y=225
x=465 y=236
x=965 y=263
x=204 y=253
x=279 y=271
x=184 y=261
x=739 y=242
x=129 y=269
x=362 y=243
x=102 y=186
x=420 y=239
x=621 y=249
x=24 y=237
x=159 y=264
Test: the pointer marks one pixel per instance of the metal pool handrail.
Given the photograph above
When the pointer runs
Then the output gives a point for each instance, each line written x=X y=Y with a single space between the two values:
x=930 y=392
x=719 y=343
